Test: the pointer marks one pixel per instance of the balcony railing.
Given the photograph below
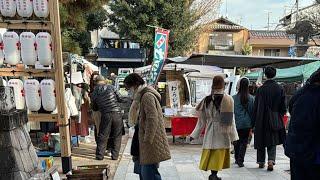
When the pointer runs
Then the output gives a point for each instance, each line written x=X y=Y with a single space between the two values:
x=121 y=53
x=221 y=47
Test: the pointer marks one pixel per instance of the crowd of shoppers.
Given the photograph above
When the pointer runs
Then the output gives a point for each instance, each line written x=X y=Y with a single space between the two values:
x=227 y=120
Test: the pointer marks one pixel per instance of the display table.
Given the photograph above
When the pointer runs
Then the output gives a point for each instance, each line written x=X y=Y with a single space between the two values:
x=182 y=126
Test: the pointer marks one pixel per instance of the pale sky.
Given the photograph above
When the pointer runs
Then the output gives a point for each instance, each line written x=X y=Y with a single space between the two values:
x=254 y=13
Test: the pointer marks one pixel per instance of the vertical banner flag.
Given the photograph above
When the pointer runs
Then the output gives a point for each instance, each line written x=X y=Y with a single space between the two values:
x=159 y=55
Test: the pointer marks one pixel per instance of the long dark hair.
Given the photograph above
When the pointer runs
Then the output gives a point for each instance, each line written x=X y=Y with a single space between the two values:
x=244 y=92
x=217 y=84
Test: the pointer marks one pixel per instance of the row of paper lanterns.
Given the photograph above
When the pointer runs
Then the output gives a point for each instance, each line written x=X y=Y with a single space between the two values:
x=32 y=94
x=24 y=8
x=28 y=48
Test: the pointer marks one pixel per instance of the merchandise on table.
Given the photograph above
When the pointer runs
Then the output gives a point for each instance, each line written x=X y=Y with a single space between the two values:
x=17 y=85
x=48 y=95
x=28 y=50
x=24 y=8
x=8 y=8
x=11 y=48
x=44 y=48
x=32 y=93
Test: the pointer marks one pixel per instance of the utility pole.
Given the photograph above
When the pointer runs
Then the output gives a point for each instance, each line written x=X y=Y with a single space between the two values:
x=297 y=15
x=268 y=12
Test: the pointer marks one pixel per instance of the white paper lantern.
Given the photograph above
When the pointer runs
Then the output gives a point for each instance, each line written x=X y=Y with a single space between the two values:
x=28 y=51
x=11 y=48
x=24 y=8
x=44 y=49
x=17 y=85
x=41 y=8
x=1 y=51
x=8 y=8
x=32 y=94
x=48 y=94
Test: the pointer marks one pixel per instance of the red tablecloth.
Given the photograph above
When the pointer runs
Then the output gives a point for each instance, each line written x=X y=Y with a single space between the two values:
x=182 y=126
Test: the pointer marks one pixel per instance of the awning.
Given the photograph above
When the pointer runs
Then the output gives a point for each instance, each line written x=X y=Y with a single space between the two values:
x=299 y=73
x=231 y=61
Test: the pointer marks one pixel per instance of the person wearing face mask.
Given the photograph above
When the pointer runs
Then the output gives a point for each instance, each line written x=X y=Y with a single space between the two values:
x=217 y=116
x=149 y=144
x=106 y=100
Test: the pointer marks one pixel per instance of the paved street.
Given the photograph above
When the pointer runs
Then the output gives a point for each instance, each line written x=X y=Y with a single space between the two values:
x=185 y=161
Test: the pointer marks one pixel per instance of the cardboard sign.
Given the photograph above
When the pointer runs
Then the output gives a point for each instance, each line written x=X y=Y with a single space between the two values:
x=174 y=94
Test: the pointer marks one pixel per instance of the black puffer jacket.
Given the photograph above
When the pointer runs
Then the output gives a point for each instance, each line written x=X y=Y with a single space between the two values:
x=105 y=99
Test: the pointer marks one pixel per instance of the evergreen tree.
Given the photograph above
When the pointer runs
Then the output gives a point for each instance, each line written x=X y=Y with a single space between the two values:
x=184 y=19
x=78 y=18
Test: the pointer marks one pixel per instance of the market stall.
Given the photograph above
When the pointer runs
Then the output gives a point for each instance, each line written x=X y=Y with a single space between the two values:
x=182 y=87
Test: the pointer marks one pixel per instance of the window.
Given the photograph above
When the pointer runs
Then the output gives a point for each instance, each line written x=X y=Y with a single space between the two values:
x=272 y=52
x=221 y=41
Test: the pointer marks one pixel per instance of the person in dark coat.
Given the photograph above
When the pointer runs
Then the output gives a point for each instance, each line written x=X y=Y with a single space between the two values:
x=303 y=140
x=106 y=99
x=270 y=98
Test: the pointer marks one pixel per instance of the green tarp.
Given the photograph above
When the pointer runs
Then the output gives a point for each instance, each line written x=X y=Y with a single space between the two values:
x=298 y=73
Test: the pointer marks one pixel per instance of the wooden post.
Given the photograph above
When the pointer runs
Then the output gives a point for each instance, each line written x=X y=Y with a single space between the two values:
x=60 y=87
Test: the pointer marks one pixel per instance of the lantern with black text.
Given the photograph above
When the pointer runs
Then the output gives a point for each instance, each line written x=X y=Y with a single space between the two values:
x=48 y=94
x=11 y=47
x=17 y=85
x=8 y=8
x=41 y=8
x=32 y=94
x=24 y=8
x=44 y=49
x=28 y=51
x=1 y=51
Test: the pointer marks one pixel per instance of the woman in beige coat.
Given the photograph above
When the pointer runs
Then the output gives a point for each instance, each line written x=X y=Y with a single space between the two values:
x=216 y=115
x=146 y=111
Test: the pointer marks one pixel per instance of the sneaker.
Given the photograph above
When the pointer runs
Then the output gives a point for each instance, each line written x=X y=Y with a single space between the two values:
x=270 y=166
x=108 y=153
x=261 y=166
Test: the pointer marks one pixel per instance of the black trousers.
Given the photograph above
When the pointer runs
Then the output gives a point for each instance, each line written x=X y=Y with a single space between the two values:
x=261 y=154
x=301 y=170
x=240 y=146
x=111 y=126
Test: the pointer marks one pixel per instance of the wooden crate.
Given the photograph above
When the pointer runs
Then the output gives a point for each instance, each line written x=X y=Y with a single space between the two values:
x=88 y=174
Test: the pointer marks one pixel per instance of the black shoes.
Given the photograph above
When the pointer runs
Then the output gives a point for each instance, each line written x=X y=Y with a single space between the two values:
x=240 y=164
x=99 y=158
x=214 y=177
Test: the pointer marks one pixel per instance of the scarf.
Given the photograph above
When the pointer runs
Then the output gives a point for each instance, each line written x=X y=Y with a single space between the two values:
x=135 y=106
x=225 y=112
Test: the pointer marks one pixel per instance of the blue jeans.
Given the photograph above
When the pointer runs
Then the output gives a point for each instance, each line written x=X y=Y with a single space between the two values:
x=150 y=172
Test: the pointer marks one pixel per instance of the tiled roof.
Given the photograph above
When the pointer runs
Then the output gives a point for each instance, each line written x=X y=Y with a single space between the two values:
x=270 y=34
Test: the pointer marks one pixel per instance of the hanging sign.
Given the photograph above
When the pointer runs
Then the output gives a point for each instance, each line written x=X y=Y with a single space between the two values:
x=159 y=55
x=174 y=94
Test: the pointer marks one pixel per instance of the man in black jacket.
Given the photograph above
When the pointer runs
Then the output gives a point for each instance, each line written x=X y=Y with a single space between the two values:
x=269 y=108
x=106 y=99
x=303 y=140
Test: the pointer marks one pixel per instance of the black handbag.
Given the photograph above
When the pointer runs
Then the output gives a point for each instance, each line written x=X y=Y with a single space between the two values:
x=275 y=120
x=135 y=142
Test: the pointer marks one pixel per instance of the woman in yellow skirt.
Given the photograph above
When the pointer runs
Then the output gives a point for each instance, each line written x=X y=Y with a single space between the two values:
x=217 y=116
